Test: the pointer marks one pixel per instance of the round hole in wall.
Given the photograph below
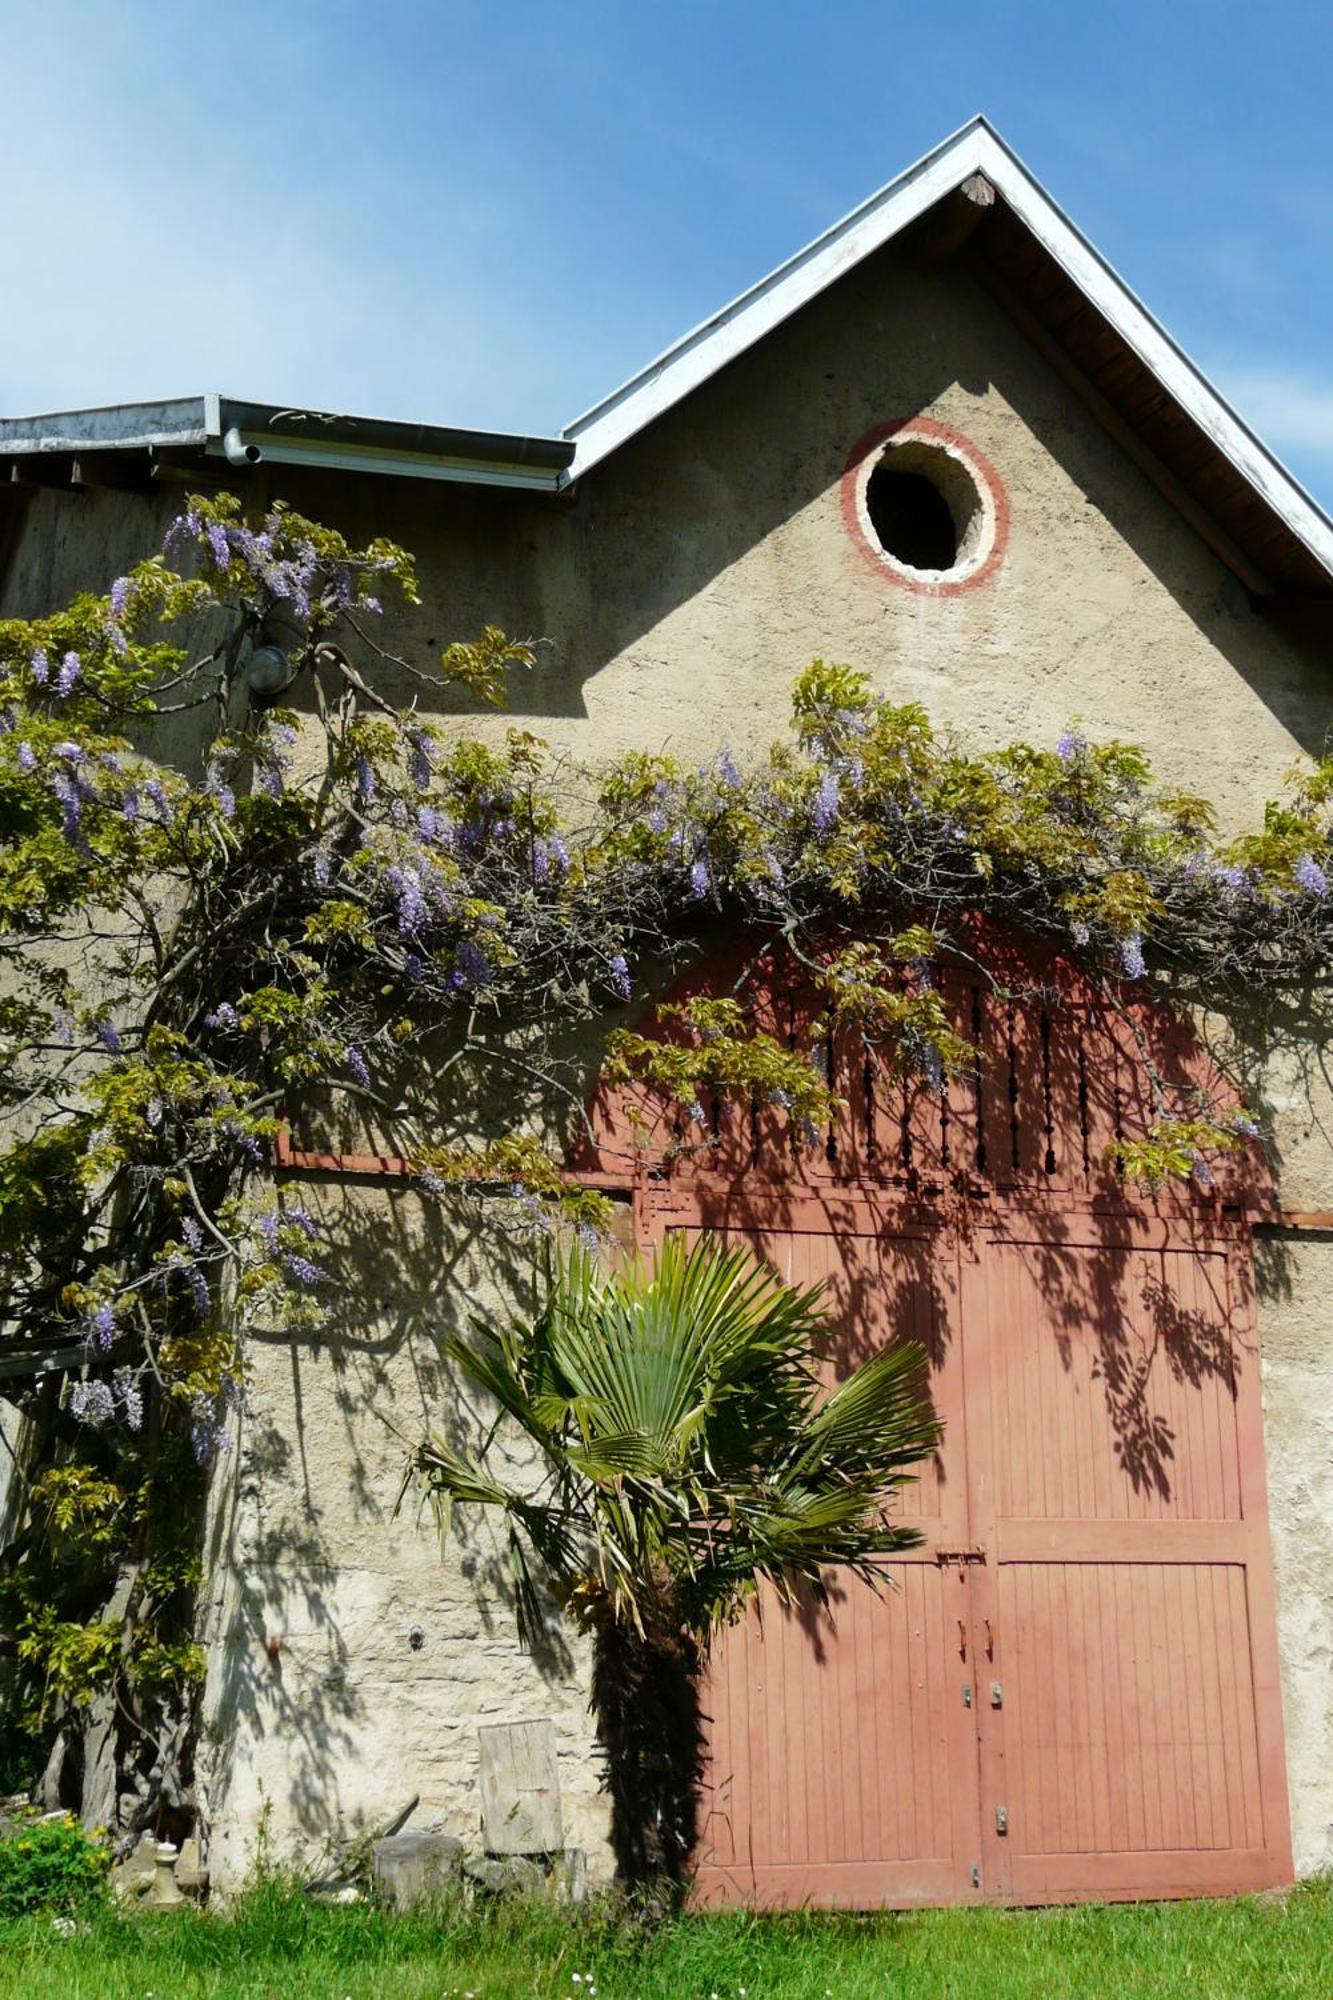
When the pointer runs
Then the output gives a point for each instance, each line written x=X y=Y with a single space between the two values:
x=925 y=506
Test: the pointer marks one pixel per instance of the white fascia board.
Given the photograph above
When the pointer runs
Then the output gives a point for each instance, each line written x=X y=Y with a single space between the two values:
x=399 y=464
x=976 y=148
x=1185 y=383
x=690 y=361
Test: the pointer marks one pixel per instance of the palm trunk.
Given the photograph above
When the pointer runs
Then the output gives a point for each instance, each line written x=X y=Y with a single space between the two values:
x=645 y=1694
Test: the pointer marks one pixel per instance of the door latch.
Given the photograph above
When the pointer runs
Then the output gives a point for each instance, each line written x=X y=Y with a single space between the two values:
x=967 y=1694
x=997 y=1694
x=976 y=1874
x=1002 y=1819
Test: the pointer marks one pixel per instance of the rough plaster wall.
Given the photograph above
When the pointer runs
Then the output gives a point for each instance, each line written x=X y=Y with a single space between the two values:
x=679 y=594
x=707 y=562
x=348 y=1721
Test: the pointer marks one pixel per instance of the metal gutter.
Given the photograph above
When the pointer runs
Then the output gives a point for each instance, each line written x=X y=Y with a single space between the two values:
x=246 y=432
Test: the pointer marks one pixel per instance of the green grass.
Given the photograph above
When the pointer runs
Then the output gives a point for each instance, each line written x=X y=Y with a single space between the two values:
x=274 y=1943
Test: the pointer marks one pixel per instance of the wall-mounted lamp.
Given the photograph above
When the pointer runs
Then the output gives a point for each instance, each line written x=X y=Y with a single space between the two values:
x=268 y=670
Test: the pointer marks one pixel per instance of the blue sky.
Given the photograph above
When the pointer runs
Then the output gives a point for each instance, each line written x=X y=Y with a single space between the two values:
x=490 y=214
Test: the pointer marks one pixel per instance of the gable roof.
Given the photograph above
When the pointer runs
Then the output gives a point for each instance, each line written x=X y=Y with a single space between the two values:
x=970 y=199
x=981 y=202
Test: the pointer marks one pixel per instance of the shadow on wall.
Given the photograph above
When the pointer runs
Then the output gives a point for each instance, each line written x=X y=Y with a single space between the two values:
x=307 y=1660
x=664 y=520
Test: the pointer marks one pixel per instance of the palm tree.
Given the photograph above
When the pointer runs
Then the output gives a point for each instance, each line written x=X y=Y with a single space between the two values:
x=687 y=1451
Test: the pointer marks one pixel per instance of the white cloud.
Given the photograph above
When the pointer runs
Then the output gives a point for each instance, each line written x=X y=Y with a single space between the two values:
x=1291 y=412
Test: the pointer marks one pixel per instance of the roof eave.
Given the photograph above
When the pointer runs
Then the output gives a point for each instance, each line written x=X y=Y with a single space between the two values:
x=976 y=148
x=252 y=433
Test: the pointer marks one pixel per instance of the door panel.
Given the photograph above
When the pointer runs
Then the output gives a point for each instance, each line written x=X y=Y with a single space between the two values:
x=1113 y=1398
x=842 y=1762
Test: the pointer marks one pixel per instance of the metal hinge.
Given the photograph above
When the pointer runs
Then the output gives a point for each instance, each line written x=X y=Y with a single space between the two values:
x=976 y=1874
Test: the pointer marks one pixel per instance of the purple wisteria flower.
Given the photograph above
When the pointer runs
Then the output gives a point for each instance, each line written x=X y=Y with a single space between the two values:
x=827 y=801
x=217 y=788
x=130 y=1398
x=373 y=605
x=356 y=1062
x=184 y=527
x=192 y=1233
x=620 y=979
x=70 y=668
x=102 y=1329
x=208 y=1427
x=153 y=1111
x=321 y=867
x=27 y=757
x=365 y=781
x=155 y=791
x=657 y=820
x=247 y=1141
x=1201 y=1173
x=1131 y=956
x=129 y=805
x=432 y=1183
x=303 y=1269
x=92 y=1403
x=1244 y=1126
x=414 y=966
x=549 y=857
x=471 y=967
x=1079 y=931
x=588 y=1236
x=219 y=546
x=412 y=909
x=1071 y=746
x=41 y=666
x=224 y=1015
x=120 y=596
x=70 y=800
x=1230 y=878
x=1308 y=875
x=419 y=762
x=108 y=1034
x=700 y=880
x=728 y=772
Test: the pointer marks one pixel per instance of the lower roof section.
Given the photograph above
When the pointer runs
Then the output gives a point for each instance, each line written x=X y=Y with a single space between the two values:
x=96 y=446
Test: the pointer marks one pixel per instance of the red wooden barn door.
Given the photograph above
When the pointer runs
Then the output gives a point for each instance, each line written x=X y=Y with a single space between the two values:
x=1116 y=1481
x=1087 y=1704
x=842 y=1759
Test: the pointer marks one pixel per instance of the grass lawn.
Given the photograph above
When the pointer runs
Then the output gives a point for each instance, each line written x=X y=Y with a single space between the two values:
x=274 y=1943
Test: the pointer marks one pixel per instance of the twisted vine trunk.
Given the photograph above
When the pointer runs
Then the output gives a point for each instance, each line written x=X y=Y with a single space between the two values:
x=645 y=1696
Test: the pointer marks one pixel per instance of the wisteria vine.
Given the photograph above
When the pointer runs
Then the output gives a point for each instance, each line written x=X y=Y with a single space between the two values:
x=339 y=900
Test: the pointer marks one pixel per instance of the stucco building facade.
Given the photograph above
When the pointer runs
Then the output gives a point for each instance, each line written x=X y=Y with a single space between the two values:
x=677 y=578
